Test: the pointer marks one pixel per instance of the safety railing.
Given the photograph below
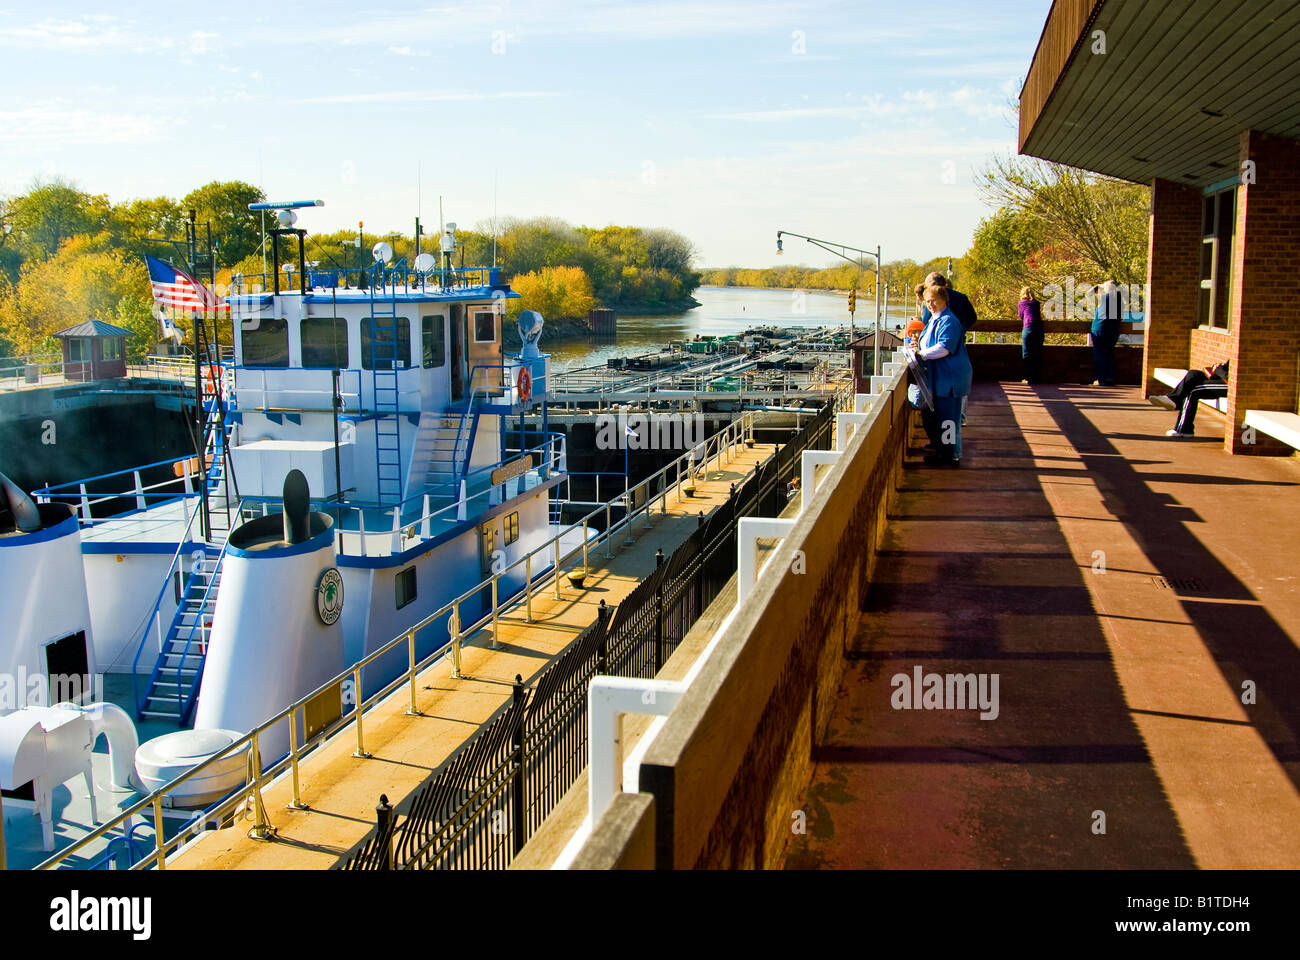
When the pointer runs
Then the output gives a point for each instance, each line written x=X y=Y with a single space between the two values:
x=155 y=615
x=420 y=517
x=622 y=481
x=78 y=493
x=43 y=371
x=654 y=492
x=480 y=806
x=359 y=278
x=185 y=695
x=268 y=389
x=31 y=371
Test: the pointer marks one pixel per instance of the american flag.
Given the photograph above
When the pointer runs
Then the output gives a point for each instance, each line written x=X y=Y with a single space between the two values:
x=173 y=287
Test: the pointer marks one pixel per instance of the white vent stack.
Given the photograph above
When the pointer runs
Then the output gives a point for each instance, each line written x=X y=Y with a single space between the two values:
x=276 y=631
x=46 y=649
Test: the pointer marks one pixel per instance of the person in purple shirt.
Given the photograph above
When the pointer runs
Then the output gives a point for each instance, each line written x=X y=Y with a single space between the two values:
x=1031 y=337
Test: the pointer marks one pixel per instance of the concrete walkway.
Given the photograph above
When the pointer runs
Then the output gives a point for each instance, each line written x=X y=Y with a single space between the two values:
x=342 y=790
x=1138 y=599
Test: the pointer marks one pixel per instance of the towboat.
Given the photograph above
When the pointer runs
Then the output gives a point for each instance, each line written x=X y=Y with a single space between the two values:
x=365 y=461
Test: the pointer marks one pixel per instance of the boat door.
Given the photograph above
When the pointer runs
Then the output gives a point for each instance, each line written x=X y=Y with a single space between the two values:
x=487 y=546
x=459 y=372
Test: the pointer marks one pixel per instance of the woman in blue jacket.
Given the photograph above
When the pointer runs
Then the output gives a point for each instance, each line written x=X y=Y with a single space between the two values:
x=949 y=372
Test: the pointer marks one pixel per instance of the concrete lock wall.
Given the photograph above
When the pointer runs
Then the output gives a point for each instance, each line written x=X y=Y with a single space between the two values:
x=729 y=768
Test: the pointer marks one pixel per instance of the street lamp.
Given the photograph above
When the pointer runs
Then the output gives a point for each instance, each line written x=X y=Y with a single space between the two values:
x=838 y=249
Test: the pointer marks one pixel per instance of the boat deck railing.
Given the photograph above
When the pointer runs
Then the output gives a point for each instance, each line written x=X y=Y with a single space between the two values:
x=649 y=494
x=85 y=495
x=373 y=530
x=359 y=278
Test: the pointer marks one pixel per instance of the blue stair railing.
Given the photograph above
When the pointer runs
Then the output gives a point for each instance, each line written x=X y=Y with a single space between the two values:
x=174 y=683
x=190 y=582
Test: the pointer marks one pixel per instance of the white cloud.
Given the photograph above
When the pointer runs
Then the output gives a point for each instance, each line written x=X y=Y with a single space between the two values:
x=56 y=124
x=426 y=96
x=788 y=113
x=474 y=23
x=55 y=34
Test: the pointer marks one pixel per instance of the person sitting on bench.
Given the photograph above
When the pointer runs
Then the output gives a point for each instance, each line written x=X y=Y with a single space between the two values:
x=1197 y=385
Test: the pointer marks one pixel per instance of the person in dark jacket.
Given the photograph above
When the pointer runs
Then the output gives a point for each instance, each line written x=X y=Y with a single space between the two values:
x=1031 y=337
x=1211 y=383
x=958 y=302
x=943 y=347
x=1105 y=332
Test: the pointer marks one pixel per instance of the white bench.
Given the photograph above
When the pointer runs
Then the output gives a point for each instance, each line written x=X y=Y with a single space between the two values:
x=1283 y=426
x=1170 y=376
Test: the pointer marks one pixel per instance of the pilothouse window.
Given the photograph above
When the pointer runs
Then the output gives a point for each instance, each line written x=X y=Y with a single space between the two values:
x=379 y=354
x=268 y=345
x=485 y=327
x=324 y=343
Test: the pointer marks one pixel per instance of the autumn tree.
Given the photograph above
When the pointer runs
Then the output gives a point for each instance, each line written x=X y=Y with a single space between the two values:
x=1052 y=223
x=237 y=230
x=554 y=292
x=74 y=286
x=51 y=212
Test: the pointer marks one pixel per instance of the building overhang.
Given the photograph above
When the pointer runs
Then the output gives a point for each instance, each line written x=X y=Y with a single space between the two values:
x=1172 y=92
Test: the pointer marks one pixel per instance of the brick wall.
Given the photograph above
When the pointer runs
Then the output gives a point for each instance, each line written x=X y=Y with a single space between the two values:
x=1265 y=306
x=1209 y=347
x=1173 y=278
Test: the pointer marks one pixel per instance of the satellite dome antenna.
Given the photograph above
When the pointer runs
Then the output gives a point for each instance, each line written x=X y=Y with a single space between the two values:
x=424 y=265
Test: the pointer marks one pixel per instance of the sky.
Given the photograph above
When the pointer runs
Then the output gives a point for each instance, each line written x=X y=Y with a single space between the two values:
x=865 y=122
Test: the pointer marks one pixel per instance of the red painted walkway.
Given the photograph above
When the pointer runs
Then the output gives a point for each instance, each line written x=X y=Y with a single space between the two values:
x=1122 y=738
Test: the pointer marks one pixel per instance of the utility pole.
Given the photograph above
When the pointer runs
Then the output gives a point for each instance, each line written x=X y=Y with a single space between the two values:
x=838 y=249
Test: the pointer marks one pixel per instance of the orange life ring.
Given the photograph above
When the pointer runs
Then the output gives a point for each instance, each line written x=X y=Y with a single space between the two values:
x=524 y=383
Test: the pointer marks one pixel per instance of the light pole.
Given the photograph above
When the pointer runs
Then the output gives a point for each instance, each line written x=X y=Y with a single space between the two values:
x=838 y=249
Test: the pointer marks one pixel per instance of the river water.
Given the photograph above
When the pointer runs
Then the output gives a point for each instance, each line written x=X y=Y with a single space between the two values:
x=722 y=311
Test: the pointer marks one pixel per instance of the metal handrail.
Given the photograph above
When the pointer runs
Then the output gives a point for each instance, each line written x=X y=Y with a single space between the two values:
x=550 y=449
x=189 y=640
x=166 y=578
x=725 y=440
x=349 y=278
x=157 y=604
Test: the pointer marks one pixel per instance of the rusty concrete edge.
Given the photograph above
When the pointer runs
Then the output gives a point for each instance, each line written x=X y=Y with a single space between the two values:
x=625 y=838
x=741 y=695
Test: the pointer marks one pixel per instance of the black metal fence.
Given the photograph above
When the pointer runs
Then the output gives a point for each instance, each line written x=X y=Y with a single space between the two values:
x=480 y=807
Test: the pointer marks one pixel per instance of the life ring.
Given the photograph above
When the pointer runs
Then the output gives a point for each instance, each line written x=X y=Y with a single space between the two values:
x=524 y=384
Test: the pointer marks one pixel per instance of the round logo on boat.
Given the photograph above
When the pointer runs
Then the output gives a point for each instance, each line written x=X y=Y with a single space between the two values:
x=329 y=596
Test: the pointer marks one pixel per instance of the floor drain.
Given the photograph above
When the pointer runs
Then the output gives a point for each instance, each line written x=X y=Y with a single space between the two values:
x=1182 y=584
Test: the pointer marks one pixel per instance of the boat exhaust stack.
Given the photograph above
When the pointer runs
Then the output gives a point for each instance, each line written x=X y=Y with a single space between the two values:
x=26 y=516
x=297 y=508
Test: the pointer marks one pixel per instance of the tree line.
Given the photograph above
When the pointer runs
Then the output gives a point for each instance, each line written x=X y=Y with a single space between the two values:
x=899 y=276
x=1052 y=225
x=67 y=256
